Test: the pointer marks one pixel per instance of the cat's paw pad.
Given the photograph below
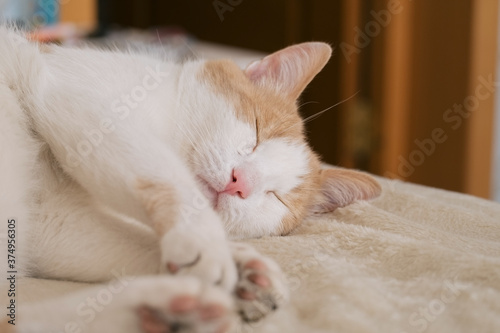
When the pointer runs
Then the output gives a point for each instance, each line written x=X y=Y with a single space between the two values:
x=260 y=289
x=186 y=313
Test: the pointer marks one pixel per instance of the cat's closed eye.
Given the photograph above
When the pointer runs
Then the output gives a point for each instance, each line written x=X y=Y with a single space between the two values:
x=247 y=148
x=256 y=133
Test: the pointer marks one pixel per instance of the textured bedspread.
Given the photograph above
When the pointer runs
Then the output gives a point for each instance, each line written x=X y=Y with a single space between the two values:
x=414 y=260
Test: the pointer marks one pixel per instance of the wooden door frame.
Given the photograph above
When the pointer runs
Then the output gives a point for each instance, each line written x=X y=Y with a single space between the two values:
x=480 y=140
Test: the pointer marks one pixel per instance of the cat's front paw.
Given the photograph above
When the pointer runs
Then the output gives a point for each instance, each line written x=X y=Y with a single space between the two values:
x=205 y=255
x=160 y=304
x=261 y=287
x=186 y=313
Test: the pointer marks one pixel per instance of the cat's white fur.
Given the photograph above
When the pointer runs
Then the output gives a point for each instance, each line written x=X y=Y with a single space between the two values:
x=109 y=165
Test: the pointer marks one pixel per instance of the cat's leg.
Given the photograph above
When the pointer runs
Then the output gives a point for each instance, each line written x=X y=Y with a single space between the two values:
x=196 y=242
x=261 y=287
x=146 y=305
x=73 y=239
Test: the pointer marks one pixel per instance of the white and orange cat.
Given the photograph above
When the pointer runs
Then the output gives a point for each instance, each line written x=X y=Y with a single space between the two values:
x=126 y=163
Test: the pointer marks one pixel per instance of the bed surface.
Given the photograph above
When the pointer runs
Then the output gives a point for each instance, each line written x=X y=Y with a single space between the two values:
x=414 y=260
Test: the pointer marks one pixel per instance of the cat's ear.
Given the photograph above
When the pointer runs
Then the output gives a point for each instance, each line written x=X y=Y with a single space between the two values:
x=290 y=70
x=340 y=188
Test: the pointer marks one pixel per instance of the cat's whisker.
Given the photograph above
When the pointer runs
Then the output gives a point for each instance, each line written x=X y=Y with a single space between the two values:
x=190 y=139
x=191 y=49
x=159 y=39
x=306 y=103
x=316 y=115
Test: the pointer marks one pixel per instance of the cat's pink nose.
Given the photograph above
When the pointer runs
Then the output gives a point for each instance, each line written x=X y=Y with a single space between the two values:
x=239 y=185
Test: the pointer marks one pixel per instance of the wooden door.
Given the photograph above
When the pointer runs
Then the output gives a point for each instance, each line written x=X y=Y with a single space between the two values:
x=436 y=105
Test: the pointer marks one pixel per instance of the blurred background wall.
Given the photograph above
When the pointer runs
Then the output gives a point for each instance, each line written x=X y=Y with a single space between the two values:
x=418 y=76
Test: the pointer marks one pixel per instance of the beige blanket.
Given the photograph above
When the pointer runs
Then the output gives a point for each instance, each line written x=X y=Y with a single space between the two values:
x=414 y=260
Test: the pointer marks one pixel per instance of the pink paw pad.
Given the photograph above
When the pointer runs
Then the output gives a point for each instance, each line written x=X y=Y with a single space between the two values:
x=182 y=312
x=172 y=268
x=256 y=264
x=260 y=280
x=245 y=294
x=183 y=304
x=212 y=311
x=150 y=322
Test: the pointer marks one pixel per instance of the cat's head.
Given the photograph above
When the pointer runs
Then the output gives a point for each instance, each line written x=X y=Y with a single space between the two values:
x=249 y=151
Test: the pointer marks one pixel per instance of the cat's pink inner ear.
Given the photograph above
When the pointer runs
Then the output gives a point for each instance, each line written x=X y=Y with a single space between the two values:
x=340 y=188
x=290 y=70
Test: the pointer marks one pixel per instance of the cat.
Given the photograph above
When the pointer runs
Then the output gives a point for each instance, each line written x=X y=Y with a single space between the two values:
x=122 y=164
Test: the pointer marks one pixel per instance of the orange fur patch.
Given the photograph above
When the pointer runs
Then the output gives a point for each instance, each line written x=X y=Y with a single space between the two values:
x=276 y=116
x=300 y=198
x=290 y=70
x=161 y=204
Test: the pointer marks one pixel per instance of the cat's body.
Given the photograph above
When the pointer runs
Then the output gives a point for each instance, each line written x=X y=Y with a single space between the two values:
x=127 y=164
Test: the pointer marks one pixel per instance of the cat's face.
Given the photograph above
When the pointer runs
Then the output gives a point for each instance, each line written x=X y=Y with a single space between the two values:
x=249 y=152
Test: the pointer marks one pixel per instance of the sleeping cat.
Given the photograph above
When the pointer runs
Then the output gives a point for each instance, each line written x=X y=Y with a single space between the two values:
x=126 y=164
